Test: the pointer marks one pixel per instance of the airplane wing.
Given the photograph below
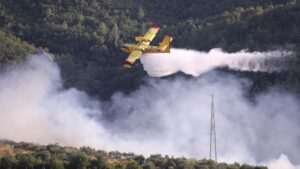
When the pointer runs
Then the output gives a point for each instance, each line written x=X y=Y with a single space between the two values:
x=149 y=36
x=144 y=42
x=133 y=56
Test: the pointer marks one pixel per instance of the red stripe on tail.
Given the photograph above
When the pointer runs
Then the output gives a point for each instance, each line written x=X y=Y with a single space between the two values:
x=155 y=25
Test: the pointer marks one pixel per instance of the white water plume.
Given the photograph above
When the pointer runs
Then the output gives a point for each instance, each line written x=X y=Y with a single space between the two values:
x=194 y=62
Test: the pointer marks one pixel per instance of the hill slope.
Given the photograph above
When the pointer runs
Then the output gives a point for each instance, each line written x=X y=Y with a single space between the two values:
x=85 y=35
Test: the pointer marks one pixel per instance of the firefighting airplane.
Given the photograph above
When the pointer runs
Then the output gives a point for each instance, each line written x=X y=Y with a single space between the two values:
x=143 y=46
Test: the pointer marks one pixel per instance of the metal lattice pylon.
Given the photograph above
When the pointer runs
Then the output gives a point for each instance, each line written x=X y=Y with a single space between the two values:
x=213 y=139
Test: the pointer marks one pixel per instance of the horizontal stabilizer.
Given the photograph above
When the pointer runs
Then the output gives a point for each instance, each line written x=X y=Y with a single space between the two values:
x=164 y=46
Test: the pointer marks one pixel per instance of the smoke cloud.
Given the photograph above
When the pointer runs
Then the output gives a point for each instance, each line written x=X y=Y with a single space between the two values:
x=282 y=163
x=164 y=116
x=196 y=63
x=35 y=107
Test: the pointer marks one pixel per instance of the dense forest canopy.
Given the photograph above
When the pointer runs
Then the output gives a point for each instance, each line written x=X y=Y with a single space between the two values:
x=85 y=35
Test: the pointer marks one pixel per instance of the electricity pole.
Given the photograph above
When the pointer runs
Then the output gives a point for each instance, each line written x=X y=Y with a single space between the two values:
x=213 y=139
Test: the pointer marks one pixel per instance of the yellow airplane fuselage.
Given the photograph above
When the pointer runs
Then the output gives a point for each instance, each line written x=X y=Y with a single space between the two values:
x=143 y=46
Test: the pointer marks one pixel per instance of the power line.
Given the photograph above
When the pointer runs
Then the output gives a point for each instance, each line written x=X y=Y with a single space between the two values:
x=213 y=139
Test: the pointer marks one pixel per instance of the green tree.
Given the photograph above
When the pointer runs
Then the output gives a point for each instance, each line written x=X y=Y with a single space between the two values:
x=148 y=165
x=25 y=161
x=79 y=161
x=133 y=165
x=119 y=166
x=64 y=25
x=99 y=163
x=114 y=34
x=56 y=163
x=103 y=29
x=141 y=13
x=7 y=162
x=49 y=13
x=140 y=159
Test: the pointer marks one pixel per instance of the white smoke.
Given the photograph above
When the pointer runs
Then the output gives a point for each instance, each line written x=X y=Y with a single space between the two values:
x=35 y=107
x=163 y=116
x=173 y=115
x=282 y=163
x=195 y=63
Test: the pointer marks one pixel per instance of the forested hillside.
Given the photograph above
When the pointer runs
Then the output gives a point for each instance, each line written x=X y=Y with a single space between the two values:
x=13 y=50
x=85 y=35
x=32 y=156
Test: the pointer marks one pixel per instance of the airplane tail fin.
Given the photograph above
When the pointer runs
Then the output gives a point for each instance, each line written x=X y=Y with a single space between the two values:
x=164 y=45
